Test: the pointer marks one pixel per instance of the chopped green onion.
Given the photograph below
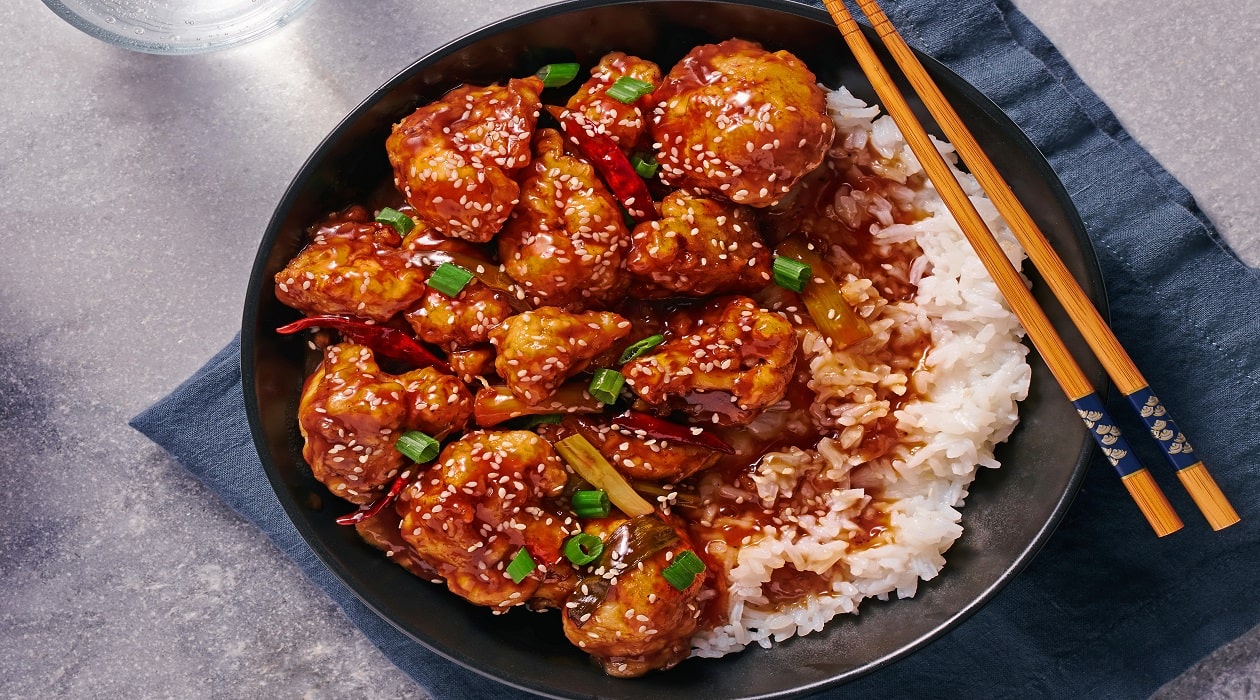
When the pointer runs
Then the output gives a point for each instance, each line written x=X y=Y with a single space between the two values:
x=589 y=464
x=397 y=219
x=417 y=446
x=644 y=164
x=836 y=320
x=591 y=504
x=522 y=565
x=640 y=347
x=606 y=385
x=557 y=74
x=449 y=279
x=583 y=548
x=791 y=274
x=682 y=572
x=544 y=419
x=628 y=90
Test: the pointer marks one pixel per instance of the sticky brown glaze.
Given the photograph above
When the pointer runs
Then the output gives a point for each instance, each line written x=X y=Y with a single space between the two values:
x=489 y=494
x=454 y=159
x=737 y=121
x=638 y=456
x=351 y=412
x=623 y=123
x=353 y=266
x=566 y=241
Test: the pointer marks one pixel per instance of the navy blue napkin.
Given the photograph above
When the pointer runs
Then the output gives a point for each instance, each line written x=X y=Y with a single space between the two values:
x=1106 y=609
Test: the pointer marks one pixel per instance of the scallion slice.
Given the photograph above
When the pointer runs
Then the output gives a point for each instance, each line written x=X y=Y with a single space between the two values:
x=521 y=566
x=417 y=446
x=591 y=504
x=544 y=419
x=449 y=279
x=557 y=74
x=682 y=572
x=400 y=221
x=606 y=385
x=583 y=548
x=791 y=274
x=591 y=465
x=637 y=349
x=628 y=90
x=644 y=164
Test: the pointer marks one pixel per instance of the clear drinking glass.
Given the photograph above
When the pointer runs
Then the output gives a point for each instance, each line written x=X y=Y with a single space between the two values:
x=177 y=26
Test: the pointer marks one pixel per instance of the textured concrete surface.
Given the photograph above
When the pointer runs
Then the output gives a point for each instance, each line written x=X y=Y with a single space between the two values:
x=135 y=189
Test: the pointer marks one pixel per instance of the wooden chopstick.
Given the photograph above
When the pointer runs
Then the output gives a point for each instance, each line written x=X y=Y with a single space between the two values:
x=1136 y=479
x=1190 y=470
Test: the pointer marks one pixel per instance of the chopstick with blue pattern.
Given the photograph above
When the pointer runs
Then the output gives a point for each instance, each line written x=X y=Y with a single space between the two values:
x=1137 y=480
x=1193 y=475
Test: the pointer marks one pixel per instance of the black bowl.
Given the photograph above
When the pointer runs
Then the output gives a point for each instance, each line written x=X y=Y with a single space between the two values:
x=1010 y=513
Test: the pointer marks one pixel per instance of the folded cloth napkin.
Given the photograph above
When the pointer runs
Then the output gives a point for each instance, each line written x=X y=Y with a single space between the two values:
x=1106 y=609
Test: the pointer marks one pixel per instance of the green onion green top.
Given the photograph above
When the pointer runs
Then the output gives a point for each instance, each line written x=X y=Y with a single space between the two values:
x=628 y=90
x=591 y=504
x=400 y=221
x=682 y=572
x=557 y=74
x=541 y=419
x=449 y=279
x=638 y=348
x=791 y=274
x=606 y=385
x=644 y=164
x=417 y=446
x=521 y=566
x=583 y=548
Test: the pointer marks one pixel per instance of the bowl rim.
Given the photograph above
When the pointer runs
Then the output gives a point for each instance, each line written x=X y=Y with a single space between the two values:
x=293 y=509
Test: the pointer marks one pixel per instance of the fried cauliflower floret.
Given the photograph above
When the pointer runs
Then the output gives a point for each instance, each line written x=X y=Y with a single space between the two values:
x=640 y=457
x=623 y=123
x=539 y=349
x=725 y=364
x=737 y=121
x=700 y=246
x=353 y=266
x=566 y=241
x=454 y=159
x=351 y=412
x=488 y=495
x=473 y=362
x=642 y=623
x=460 y=321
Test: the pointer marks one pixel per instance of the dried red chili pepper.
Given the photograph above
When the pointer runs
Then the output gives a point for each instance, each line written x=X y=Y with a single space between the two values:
x=371 y=509
x=612 y=164
x=664 y=430
x=389 y=342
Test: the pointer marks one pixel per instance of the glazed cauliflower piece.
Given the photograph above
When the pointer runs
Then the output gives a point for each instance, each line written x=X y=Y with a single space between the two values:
x=461 y=321
x=489 y=494
x=353 y=266
x=351 y=412
x=566 y=241
x=539 y=349
x=455 y=159
x=641 y=623
x=724 y=364
x=621 y=122
x=737 y=121
x=700 y=246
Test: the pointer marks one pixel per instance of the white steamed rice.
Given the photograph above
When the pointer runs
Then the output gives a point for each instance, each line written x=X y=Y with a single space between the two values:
x=964 y=402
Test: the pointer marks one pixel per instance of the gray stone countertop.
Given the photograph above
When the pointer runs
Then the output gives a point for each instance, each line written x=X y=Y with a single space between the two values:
x=135 y=189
